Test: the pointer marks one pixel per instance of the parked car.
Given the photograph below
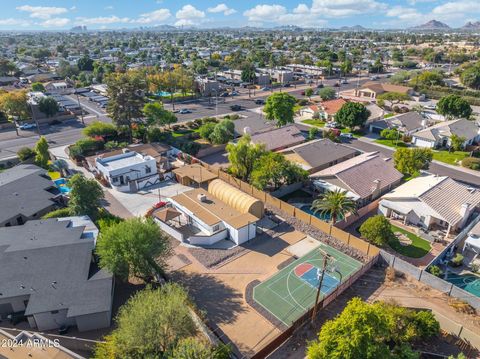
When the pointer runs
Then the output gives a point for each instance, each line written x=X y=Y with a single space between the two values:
x=183 y=111
x=235 y=93
x=63 y=329
x=302 y=93
x=287 y=85
x=54 y=122
x=223 y=94
x=430 y=107
x=336 y=84
x=27 y=126
x=265 y=89
x=347 y=135
x=331 y=125
x=373 y=78
x=235 y=107
x=319 y=86
x=344 y=81
x=259 y=102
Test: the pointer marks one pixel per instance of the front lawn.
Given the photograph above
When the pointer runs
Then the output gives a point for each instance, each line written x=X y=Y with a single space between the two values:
x=355 y=133
x=390 y=143
x=417 y=249
x=317 y=123
x=451 y=158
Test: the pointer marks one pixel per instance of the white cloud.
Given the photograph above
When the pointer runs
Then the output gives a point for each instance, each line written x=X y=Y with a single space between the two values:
x=159 y=15
x=55 y=22
x=42 y=12
x=14 y=22
x=189 y=12
x=109 y=7
x=268 y=13
x=345 y=8
x=457 y=7
x=101 y=20
x=301 y=9
x=184 y=22
x=222 y=8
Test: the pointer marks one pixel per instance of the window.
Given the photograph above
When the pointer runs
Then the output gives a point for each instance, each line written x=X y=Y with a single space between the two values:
x=216 y=228
x=148 y=169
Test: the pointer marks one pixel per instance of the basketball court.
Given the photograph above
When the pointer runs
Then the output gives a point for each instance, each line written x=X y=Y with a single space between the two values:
x=291 y=292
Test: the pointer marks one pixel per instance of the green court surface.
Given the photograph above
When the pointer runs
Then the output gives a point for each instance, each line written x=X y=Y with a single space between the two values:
x=291 y=292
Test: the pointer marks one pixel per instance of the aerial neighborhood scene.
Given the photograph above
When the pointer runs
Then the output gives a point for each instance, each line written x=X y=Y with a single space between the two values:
x=283 y=180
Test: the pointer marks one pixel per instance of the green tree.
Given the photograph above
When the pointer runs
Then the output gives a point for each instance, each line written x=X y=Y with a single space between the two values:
x=41 y=152
x=242 y=157
x=377 y=229
x=352 y=114
x=85 y=63
x=99 y=128
x=377 y=330
x=454 y=106
x=150 y=325
x=155 y=114
x=248 y=73
x=279 y=107
x=38 y=87
x=223 y=132
x=85 y=196
x=334 y=204
x=470 y=77
x=393 y=97
x=48 y=106
x=309 y=92
x=327 y=93
x=14 y=105
x=126 y=92
x=206 y=130
x=457 y=143
x=410 y=161
x=428 y=78
x=390 y=134
x=192 y=348
x=346 y=67
x=376 y=67
x=135 y=247
x=313 y=133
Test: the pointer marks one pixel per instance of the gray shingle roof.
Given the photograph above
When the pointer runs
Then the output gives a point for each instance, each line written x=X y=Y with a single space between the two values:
x=50 y=261
x=279 y=138
x=324 y=151
x=461 y=128
x=26 y=190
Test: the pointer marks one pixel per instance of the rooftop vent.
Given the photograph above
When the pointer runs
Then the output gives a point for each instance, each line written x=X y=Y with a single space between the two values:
x=202 y=197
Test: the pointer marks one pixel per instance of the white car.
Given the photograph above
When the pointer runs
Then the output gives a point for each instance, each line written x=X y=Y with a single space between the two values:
x=346 y=135
x=430 y=107
x=27 y=126
x=331 y=125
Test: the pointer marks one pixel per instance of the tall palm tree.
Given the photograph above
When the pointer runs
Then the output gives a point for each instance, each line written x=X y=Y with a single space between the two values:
x=334 y=203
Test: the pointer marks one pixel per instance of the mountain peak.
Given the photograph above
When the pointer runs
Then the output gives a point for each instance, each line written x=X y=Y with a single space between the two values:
x=432 y=25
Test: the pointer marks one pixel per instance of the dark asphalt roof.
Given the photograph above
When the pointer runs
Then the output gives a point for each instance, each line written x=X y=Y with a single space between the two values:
x=50 y=261
x=255 y=124
x=25 y=189
x=318 y=153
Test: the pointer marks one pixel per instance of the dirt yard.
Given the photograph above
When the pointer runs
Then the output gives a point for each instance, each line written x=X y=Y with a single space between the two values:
x=220 y=291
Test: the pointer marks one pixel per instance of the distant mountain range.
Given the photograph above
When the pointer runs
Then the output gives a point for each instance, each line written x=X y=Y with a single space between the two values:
x=435 y=25
x=353 y=28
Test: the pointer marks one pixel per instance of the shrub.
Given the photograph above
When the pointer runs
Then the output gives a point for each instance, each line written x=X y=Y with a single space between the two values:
x=377 y=229
x=98 y=128
x=313 y=133
x=75 y=152
x=435 y=270
x=206 y=130
x=58 y=213
x=25 y=153
x=155 y=135
x=461 y=306
x=88 y=145
x=457 y=260
x=472 y=163
x=191 y=148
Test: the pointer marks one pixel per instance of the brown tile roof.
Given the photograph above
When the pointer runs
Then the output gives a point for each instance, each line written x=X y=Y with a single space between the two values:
x=380 y=88
x=360 y=174
x=447 y=198
x=196 y=173
x=331 y=107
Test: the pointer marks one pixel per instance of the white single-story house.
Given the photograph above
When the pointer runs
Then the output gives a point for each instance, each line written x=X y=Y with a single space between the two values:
x=406 y=123
x=440 y=134
x=201 y=217
x=430 y=201
x=129 y=171
x=58 y=87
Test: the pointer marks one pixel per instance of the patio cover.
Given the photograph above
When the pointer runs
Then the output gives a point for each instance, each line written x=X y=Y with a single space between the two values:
x=167 y=214
x=472 y=243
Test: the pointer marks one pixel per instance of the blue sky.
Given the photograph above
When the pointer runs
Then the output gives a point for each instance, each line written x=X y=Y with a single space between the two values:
x=98 y=14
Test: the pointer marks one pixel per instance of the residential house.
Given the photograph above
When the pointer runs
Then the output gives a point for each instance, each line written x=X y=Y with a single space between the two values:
x=26 y=193
x=194 y=175
x=279 y=138
x=8 y=80
x=201 y=217
x=58 y=87
x=319 y=154
x=372 y=89
x=252 y=124
x=48 y=275
x=439 y=135
x=325 y=110
x=431 y=201
x=207 y=87
x=365 y=177
x=406 y=123
x=128 y=171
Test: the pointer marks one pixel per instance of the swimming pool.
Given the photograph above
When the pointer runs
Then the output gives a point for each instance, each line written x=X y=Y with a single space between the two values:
x=61 y=184
x=163 y=93
x=468 y=282
x=323 y=216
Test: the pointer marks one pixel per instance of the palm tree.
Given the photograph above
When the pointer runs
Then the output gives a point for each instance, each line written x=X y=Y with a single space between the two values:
x=334 y=203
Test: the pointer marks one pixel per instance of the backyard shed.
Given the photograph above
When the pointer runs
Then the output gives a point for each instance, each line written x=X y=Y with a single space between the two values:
x=235 y=198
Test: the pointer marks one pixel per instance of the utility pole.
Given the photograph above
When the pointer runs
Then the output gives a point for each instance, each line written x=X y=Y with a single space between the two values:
x=81 y=109
x=320 y=281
